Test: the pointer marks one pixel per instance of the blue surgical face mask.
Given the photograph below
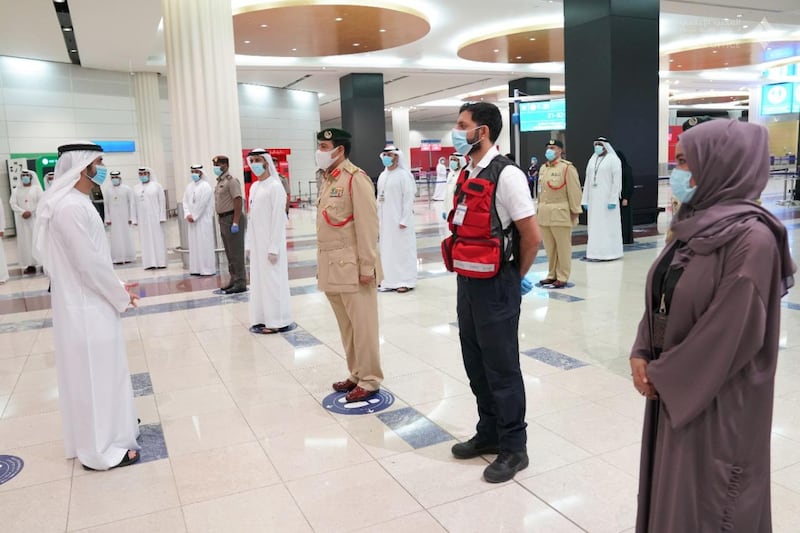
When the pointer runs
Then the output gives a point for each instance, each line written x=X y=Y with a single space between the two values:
x=550 y=154
x=144 y=179
x=387 y=161
x=100 y=175
x=257 y=168
x=217 y=171
x=26 y=179
x=115 y=181
x=679 y=181
x=194 y=177
x=598 y=149
x=460 y=142
x=454 y=166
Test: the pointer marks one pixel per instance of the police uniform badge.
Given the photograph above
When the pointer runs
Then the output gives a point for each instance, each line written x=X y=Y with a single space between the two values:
x=337 y=192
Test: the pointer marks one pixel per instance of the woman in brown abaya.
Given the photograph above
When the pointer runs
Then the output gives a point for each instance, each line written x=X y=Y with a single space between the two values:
x=707 y=346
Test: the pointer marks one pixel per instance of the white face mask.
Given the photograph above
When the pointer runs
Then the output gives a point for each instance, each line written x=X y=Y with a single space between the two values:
x=325 y=159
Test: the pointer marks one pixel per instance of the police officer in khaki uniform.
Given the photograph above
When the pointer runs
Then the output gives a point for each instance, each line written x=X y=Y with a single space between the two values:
x=232 y=223
x=557 y=211
x=347 y=259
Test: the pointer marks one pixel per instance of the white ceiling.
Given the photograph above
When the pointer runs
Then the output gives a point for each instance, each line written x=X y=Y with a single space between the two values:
x=124 y=35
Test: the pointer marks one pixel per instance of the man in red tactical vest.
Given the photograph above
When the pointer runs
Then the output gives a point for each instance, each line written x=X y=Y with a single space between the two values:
x=494 y=243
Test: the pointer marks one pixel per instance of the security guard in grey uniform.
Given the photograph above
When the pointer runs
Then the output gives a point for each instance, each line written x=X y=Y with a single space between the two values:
x=232 y=223
x=347 y=260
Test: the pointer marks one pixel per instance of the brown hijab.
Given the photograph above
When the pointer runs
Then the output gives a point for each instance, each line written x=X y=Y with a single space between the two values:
x=730 y=164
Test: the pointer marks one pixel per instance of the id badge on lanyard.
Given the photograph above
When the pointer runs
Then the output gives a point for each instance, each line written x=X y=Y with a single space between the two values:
x=458 y=216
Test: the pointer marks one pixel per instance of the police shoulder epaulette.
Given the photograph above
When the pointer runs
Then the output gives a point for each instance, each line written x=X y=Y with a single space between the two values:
x=567 y=162
x=350 y=168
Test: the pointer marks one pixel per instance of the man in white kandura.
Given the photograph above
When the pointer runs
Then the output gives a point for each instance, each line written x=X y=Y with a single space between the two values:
x=48 y=179
x=94 y=385
x=3 y=264
x=150 y=212
x=24 y=199
x=601 y=192
x=119 y=209
x=455 y=164
x=397 y=239
x=441 y=181
x=198 y=209
x=270 y=302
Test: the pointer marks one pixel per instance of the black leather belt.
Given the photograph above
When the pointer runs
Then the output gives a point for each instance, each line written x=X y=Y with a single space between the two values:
x=225 y=214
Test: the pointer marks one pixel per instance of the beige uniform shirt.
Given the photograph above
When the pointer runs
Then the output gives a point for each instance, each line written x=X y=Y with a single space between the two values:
x=228 y=188
x=559 y=194
x=347 y=229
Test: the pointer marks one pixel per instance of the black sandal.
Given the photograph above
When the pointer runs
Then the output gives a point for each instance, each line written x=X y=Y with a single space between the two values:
x=127 y=460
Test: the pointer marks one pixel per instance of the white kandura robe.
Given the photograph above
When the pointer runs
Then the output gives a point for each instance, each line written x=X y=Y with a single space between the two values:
x=270 y=301
x=604 y=226
x=447 y=206
x=198 y=201
x=25 y=199
x=3 y=264
x=398 y=247
x=150 y=211
x=441 y=183
x=94 y=384
x=119 y=209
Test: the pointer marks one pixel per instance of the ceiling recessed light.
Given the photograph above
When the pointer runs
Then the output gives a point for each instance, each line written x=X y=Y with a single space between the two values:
x=338 y=19
x=738 y=16
x=67 y=29
x=713 y=51
x=531 y=38
x=382 y=30
x=294 y=49
x=263 y=25
x=496 y=50
x=679 y=66
x=356 y=44
x=671 y=60
x=519 y=57
x=745 y=26
x=74 y=51
x=246 y=42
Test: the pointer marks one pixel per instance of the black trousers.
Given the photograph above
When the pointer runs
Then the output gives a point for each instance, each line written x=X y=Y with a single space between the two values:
x=234 y=248
x=488 y=323
x=627 y=224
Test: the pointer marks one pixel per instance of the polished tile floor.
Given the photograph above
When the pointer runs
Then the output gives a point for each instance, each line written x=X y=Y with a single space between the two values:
x=237 y=437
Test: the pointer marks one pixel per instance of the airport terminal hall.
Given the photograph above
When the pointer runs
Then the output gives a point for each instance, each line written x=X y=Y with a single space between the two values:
x=411 y=266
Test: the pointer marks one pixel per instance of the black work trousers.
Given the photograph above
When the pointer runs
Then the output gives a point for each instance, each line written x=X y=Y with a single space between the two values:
x=488 y=323
x=234 y=248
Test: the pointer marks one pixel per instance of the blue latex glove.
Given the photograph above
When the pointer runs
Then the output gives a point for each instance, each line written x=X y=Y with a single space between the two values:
x=612 y=206
x=234 y=228
x=585 y=207
x=525 y=286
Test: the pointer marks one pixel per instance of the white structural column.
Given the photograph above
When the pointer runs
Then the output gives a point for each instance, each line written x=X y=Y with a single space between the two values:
x=201 y=76
x=148 y=121
x=401 y=131
x=504 y=141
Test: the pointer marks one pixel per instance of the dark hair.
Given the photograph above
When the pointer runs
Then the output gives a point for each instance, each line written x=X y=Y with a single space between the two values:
x=485 y=114
x=346 y=145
